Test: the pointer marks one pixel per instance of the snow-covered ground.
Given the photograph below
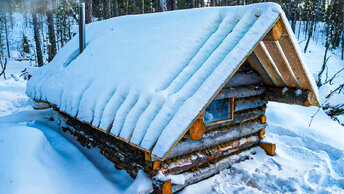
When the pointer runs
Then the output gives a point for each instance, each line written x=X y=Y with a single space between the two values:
x=36 y=158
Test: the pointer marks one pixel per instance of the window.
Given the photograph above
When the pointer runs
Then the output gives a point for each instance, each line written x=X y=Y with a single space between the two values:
x=219 y=111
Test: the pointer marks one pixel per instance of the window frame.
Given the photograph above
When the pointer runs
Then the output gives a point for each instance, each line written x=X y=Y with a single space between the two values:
x=231 y=112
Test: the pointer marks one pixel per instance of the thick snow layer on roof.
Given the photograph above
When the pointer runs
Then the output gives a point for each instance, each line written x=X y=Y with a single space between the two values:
x=146 y=77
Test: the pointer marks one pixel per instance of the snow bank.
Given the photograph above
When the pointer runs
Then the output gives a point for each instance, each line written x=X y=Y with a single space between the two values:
x=147 y=87
x=41 y=161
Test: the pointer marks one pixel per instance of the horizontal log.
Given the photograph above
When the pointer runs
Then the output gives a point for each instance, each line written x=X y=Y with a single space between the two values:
x=244 y=78
x=121 y=154
x=199 y=175
x=39 y=105
x=248 y=103
x=241 y=91
x=289 y=96
x=216 y=137
x=199 y=158
x=239 y=117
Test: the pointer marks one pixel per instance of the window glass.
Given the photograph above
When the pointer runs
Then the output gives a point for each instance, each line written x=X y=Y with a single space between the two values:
x=218 y=110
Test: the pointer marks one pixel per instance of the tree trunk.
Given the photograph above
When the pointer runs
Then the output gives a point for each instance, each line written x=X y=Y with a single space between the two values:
x=6 y=32
x=173 y=5
x=37 y=40
x=88 y=10
x=51 y=32
x=107 y=9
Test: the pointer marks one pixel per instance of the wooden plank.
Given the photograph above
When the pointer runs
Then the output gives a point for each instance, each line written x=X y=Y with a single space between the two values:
x=257 y=66
x=248 y=103
x=268 y=65
x=277 y=55
x=199 y=175
x=289 y=96
x=244 y=78
x=239 y=117
x=269 y=148
x=296 y=65
x=241 y=91
x=216 y=137
x=186 y=162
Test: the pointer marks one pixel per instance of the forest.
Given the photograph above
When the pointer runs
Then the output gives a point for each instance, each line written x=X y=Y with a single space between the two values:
x=50 y=24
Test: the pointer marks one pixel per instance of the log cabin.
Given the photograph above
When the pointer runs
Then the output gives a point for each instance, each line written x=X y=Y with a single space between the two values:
x=176 y=93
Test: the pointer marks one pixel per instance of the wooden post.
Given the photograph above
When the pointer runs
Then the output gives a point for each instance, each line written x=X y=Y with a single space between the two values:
x=269 y=148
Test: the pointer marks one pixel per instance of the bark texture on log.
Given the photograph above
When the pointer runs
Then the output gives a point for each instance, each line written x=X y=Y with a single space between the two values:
x=205 y=172
x=240 y=117
x=215 y=137
x=248 y=103
x=186 y=162
x=120 y=153
x=241 y=91
x=288 y=95
x=244 y=78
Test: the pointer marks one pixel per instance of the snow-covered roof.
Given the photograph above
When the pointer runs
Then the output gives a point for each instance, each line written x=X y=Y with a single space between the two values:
x=145 y=78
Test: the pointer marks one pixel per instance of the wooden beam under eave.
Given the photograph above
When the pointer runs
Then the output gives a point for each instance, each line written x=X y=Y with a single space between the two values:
x=257 y=66
x=281 y=63
x=268 y=66
x=289 y=96
x=296 y=64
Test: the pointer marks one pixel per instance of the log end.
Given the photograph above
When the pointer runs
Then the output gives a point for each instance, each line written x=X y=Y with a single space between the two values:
x=148 y=157
x=197 y=130
x=262 y=133
x=277 y=31
x=162 y=187
x=263 y=119
x=167 y=187
x=269 y=148
x=156 y=165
